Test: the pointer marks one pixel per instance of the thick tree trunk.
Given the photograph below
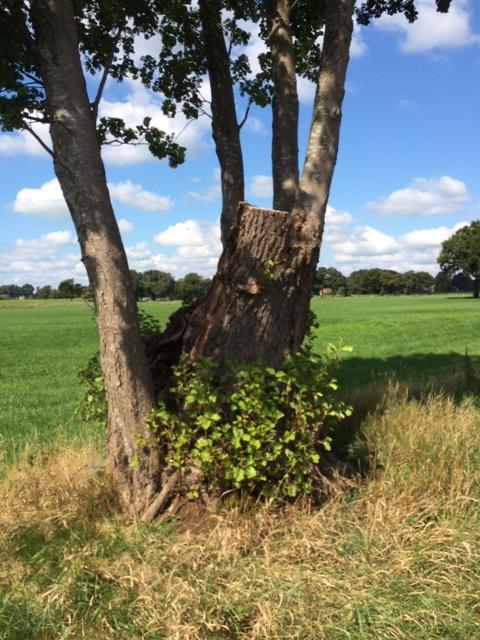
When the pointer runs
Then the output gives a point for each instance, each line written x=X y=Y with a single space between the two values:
x=80 y=172
x=225 y=128
x=284 y=106
x=476 y=287
x=257 y=306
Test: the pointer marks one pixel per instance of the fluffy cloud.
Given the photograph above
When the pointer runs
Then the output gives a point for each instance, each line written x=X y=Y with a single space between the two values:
x=433 y=30
x=366 y=247
x=125 y=226
x=261 y=186
x=424 y=197
x=47 y=201
x=23 y=143
x=135 y=195
x=44 y=260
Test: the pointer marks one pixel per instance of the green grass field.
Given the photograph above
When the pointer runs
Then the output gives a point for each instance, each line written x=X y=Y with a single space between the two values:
x=45 y=343
x=393 y=555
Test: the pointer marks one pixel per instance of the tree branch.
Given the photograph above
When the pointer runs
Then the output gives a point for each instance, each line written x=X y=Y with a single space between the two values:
x=105 y=73
x=247 y=111
x=38 y=139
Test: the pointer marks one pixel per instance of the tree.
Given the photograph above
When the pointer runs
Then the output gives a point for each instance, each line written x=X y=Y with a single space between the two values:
x=191 y=288
x=41 y=79
x=442 y=282
x=418 y=282
x=28 y=290
x=461 y=253
x=257 y=305
x=69 y=289
x=43 y=293
x=157 y=284
x=329 y=278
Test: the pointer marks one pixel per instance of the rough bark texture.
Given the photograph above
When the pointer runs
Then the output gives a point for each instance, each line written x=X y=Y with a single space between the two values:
x=225 y=129
x=284 y=106
x=81 y=174
x=257 y=306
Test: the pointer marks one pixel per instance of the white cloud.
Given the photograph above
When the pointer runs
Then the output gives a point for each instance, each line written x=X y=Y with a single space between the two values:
x=368 y=242
x=42 y=260
x=424 y=197
x=135 y=195
x=426 y=238
x=125 y=226
x=433 y=30
x=47 y=201
x=191 y=246
x=23 y=143
x=190 y=234
x=261 y=186
x=366 y=247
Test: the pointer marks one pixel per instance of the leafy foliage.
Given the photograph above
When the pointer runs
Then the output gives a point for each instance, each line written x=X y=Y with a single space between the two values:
x=461 y=252
x=252 y=428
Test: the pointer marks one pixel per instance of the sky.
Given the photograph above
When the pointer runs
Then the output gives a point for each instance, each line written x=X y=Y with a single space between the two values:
x=407 y=173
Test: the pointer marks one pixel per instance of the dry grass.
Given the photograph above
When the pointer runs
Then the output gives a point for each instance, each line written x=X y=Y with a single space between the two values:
x=395 y=558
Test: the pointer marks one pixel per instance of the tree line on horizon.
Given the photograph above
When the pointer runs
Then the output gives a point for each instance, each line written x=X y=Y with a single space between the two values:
x=375 y=281
x=161 y=285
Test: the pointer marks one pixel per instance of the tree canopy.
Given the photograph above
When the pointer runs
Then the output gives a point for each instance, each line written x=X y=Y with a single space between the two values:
x=461 y=253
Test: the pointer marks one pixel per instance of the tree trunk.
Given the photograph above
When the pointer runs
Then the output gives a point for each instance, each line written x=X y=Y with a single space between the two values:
x=257 y=306
x=80 y=172
x=284 y=106
x=476 y=287
x=225 y=129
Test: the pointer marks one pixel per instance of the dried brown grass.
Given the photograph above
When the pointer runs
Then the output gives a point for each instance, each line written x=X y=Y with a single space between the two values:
x=396 y=557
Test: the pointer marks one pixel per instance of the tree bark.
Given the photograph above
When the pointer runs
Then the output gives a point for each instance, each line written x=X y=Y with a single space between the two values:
x=225 y=128
x=80 y=172
x=257 y=306
x=476 y=287
x=284 y=106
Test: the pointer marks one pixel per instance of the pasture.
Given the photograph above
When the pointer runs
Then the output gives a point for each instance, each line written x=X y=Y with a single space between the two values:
x=393 y=556
x=45 y=343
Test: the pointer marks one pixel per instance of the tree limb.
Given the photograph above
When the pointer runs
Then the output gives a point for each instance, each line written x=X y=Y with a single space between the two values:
x=38 y=139
x=105 y=73
x=247 y=111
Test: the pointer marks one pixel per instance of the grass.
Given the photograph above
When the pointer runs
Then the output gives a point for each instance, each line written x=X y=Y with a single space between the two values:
x=394 y=558
x=45 y=343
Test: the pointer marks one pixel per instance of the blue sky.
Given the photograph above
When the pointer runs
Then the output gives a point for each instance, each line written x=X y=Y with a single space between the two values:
x=407 y=173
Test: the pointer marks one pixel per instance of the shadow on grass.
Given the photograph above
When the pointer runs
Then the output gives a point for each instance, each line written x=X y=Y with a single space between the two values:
x=367 y=384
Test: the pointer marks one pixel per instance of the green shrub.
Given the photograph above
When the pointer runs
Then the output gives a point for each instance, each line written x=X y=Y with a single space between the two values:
x=252 y=428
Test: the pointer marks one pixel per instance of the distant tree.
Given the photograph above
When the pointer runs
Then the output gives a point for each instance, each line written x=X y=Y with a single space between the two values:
x=137 y=282
x=28 y=290
x=191 y=288
x=418 y=282
x=329 y=278
x=69 y=289
x=44 y=292
x=390 y=281
x=442 y=283
x=157 y=284
x=461 y=253
x=462 y=282
x=10 y=291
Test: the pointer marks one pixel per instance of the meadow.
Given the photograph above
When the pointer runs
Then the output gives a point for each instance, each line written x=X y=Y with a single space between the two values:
x=413 y=339
x=391 y=555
